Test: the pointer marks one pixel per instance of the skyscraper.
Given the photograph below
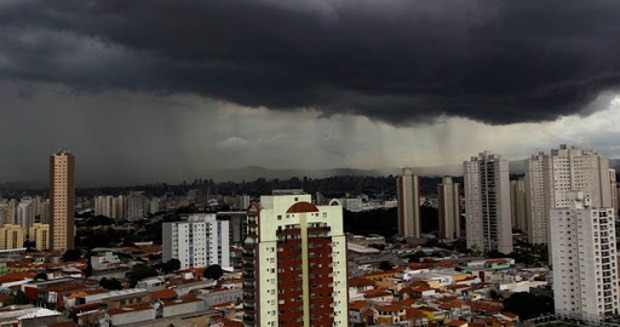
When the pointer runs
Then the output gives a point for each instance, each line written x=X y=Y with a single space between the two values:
x=550 y=178
x=198 y=242
x=449 y=209
x=408 y=192
x=613 y=188
x=518 y=204
x=62 y=200
x=294 y=263
x=487 y=203
x=11 y=237
x=585 y=268
x=40 y=235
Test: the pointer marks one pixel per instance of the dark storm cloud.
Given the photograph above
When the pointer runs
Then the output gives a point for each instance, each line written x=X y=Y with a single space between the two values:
x=392 y=60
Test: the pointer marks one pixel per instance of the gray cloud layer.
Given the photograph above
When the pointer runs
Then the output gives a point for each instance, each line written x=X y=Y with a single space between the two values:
x=398 y=61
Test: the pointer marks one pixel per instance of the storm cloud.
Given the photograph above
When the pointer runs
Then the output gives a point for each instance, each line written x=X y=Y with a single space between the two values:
x=397 y=61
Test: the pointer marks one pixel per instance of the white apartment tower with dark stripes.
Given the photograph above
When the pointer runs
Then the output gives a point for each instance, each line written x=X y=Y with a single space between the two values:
x=487 y=204
x=408 y=192
x=549 y=178
x=585 y=267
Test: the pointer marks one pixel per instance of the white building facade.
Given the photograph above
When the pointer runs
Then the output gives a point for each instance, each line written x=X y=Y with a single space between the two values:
x=200 y=241
x=449 y=209
x=585 y=269
x=295 y=264
x=487 y=203
x=408 y=192
x=550 y=178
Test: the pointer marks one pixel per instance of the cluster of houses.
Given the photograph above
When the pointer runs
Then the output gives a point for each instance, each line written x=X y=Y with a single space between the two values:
x=459 y=291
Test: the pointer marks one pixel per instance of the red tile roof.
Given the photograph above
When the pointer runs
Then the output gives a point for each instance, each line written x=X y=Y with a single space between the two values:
x=358 y=305
x=140 y=307
x=389 y=307
x=303 y=206
x=164 y=294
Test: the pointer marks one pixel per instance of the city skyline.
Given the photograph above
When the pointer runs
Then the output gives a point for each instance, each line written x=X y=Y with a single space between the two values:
x=324 y=84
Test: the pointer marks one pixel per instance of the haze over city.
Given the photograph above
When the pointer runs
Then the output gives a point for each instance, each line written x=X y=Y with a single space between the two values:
x=164 y=91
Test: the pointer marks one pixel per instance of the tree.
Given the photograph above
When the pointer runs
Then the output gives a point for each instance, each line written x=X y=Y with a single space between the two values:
x=171 y=266
x=72 y=255
x=110 y=284
x=41 y=276
x=16 y=298
x=213 y=272
x=528 y=305
x=139 y=272
x=385 y=265
x=416 y=256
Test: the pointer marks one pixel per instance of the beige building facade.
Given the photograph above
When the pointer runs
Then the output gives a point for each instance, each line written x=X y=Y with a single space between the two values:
x=62 y=201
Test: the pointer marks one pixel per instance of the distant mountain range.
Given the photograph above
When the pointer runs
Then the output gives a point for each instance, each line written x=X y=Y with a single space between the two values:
x=252 y=173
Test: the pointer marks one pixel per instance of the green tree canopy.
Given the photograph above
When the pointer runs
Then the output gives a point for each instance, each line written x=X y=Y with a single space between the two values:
x=171 y=266
x=139 y=272
x=71 y=255
x=528 y=305
x=16 y=298
x=213 y=272
x=111 y=284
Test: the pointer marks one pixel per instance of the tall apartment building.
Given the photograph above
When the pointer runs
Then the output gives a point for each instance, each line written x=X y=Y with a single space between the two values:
x=408 y=192
x=449 y=209
x=518 y=204
x=137 y=206
x=62 y=201
x=200 y=241
x=294 y=263
x=40 y=235
x=550 y=178
x=487 y=203
x=585 y=268
x=613 y=188
x=111 y=206
x=26 y=213
x=11 y=237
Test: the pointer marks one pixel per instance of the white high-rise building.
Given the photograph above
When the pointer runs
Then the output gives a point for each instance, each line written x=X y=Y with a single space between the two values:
x=200 y=241
x=518 y=204
x=613 y=188
x=408 y=191
x=550 y=178
x=585 y=268
x=62 y=201
x=449 y=209
x=487 y=203
x=295 y=263
x=25 y=213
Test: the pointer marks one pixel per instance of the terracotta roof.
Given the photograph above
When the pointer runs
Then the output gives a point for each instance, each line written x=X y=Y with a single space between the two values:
x=164 y=294
x=419 y=266
x=423 y=289
x=15 y=277
x=389 y=307
x=376 y=293
x=303 y=206
x=358 y=305
x=184 y=299
x=360 y=281
x=413 y=313
x=456 y=323
x=140 y=307
x=408 y=302
x=486 y=306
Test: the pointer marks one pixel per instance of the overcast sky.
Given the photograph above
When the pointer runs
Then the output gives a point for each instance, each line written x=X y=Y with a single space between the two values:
x=163 y=90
